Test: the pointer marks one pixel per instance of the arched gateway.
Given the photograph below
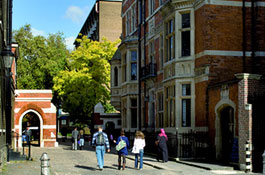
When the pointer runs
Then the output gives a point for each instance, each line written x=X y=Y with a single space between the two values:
x=33 y=109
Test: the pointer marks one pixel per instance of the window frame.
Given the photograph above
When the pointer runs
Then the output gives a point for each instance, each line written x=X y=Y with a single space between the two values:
x=186 y=97
x=170 y=37
x=133 y=62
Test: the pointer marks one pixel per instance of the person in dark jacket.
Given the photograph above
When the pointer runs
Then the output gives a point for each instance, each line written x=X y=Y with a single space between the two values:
x=123 y=152
x=161 y=143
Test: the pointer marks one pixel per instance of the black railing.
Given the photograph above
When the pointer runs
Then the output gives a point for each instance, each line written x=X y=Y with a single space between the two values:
x=149 y=71
x=192 y=144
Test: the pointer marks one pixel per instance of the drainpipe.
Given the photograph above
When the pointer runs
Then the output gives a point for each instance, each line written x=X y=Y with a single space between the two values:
x=144 y=61
x=244 y=34
x=253 y=36
x=139 y=66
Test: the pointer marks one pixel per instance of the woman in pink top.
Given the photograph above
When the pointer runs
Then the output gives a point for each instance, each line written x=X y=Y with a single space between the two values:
x=138 y=149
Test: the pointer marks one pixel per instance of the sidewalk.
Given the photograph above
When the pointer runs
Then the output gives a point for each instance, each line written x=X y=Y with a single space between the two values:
x=150 y=160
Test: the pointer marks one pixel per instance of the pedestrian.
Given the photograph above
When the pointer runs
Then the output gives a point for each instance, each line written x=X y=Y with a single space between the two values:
x=74 y=138
x=138 y=149
x=124 y=151
x=161 y=143
x=81 y=139
x=28 y=134
x=100 y=140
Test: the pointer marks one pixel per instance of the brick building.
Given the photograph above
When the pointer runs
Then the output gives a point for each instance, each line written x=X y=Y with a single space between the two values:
x=103 y=21
x=200 y=66
x=33 y=109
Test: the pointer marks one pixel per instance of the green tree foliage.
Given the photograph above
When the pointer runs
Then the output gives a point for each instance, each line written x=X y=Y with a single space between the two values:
x=40 y=58
x=87 y=81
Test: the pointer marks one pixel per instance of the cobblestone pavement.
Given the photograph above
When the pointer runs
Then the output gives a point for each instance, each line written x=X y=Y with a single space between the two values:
x=65 y=161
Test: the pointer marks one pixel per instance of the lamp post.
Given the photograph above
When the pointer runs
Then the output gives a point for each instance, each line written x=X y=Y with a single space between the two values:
x=8 y=58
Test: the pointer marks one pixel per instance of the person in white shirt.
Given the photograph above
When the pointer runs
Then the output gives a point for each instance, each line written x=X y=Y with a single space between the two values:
x=138 y=149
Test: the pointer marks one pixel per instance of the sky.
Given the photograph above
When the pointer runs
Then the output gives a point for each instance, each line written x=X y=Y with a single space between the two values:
x=52 y=16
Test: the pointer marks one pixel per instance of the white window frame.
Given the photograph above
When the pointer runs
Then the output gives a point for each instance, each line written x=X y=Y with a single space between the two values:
x=180 y=30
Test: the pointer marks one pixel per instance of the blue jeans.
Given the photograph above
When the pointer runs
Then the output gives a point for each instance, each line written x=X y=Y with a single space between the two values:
x=100 y=151
x=141 y=154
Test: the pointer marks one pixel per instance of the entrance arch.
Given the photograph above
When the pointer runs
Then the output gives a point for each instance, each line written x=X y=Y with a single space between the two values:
x=224 y=129
x=40 y=129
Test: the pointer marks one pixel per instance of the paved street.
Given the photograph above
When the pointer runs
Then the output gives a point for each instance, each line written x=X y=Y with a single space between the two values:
x=65 y=161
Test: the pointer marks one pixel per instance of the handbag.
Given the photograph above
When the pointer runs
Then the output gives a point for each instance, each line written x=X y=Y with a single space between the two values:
x=121 y=145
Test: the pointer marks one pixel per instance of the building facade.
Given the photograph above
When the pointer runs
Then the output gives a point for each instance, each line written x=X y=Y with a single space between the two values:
x=7 y=80
x=196 y=65
x=103 y=21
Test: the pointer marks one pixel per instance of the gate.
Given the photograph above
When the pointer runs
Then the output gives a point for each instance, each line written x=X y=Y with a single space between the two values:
x=258 y=130
x=192 y=144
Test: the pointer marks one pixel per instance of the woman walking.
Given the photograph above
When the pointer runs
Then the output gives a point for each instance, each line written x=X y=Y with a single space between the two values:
x=138 y=149
x=81 y=139
x=161 y=143
x=124 y=151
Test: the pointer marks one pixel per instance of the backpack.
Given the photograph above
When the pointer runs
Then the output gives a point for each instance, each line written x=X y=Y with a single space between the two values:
x=100 y=140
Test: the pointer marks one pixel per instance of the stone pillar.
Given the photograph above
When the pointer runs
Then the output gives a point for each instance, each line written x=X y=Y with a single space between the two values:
x=246 y=86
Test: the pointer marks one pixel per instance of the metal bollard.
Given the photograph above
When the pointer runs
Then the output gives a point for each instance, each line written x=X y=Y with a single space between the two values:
x=248 y=157
x=263 y=155
x=45 y=165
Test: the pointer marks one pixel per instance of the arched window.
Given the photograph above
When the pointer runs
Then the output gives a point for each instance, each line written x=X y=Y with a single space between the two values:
x=115 y=76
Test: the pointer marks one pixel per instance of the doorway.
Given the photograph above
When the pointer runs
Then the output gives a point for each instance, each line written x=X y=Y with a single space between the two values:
x=227 y=133
x=32 y=121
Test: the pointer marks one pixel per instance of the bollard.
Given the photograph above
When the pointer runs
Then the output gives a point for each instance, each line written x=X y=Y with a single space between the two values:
x=45 y=165
x=248 y=157
x=263 y=155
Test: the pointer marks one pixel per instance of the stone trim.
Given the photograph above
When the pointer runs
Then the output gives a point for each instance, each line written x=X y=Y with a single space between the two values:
x=48 y=91
x=248 y=76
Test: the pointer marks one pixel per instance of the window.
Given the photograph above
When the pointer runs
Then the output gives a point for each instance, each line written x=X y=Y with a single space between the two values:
x=133 y=113
x=151 y=6
x=124 y=113
x=124 y=69
x=170 y=40
x=161 y=51
x=160 y=111
x=186 y=105
x=133 y=65
x=170 y=106
x=116 y=76
x=185 y=34
x=160 y=2
x=152 y=52
x=133 y=22
x=128 y=23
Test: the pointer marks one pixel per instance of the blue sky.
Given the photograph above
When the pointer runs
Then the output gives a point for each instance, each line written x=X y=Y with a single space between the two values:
x=52 y=16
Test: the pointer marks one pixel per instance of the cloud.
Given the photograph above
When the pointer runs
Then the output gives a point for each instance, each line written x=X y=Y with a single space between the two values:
x=77 y=14
x=70 y=42
x=36 y=32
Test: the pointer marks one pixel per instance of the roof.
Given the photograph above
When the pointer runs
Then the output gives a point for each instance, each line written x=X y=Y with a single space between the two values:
x=117 y=55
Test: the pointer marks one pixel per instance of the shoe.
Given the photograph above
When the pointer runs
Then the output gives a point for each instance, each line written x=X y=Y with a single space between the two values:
x=100 y=169
x=141 y=169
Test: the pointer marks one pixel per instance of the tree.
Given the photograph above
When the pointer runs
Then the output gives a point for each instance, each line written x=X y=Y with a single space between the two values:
x=87 y=81
x=40 y=58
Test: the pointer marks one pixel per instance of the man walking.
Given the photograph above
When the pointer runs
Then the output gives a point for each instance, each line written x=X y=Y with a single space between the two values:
x=74 y=139
x=100 y=140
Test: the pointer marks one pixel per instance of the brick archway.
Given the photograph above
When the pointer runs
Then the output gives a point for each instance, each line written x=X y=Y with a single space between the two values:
x=39 y=103
x=41 y=126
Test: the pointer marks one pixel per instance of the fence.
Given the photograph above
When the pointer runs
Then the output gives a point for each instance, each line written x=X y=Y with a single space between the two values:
x=191 y=144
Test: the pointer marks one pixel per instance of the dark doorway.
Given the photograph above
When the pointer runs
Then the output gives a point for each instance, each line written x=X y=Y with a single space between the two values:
x=258 y=130
x=32 y=121
x=227 y=130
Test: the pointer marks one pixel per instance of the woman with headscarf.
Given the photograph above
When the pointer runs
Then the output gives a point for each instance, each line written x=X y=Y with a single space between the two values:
x=161 y=143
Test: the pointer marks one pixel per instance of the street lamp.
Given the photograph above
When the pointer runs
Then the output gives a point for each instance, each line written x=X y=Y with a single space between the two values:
x=8 y=57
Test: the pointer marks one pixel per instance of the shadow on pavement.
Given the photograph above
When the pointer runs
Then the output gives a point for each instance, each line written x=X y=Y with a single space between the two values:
x=126 y=167
x=86 y=167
